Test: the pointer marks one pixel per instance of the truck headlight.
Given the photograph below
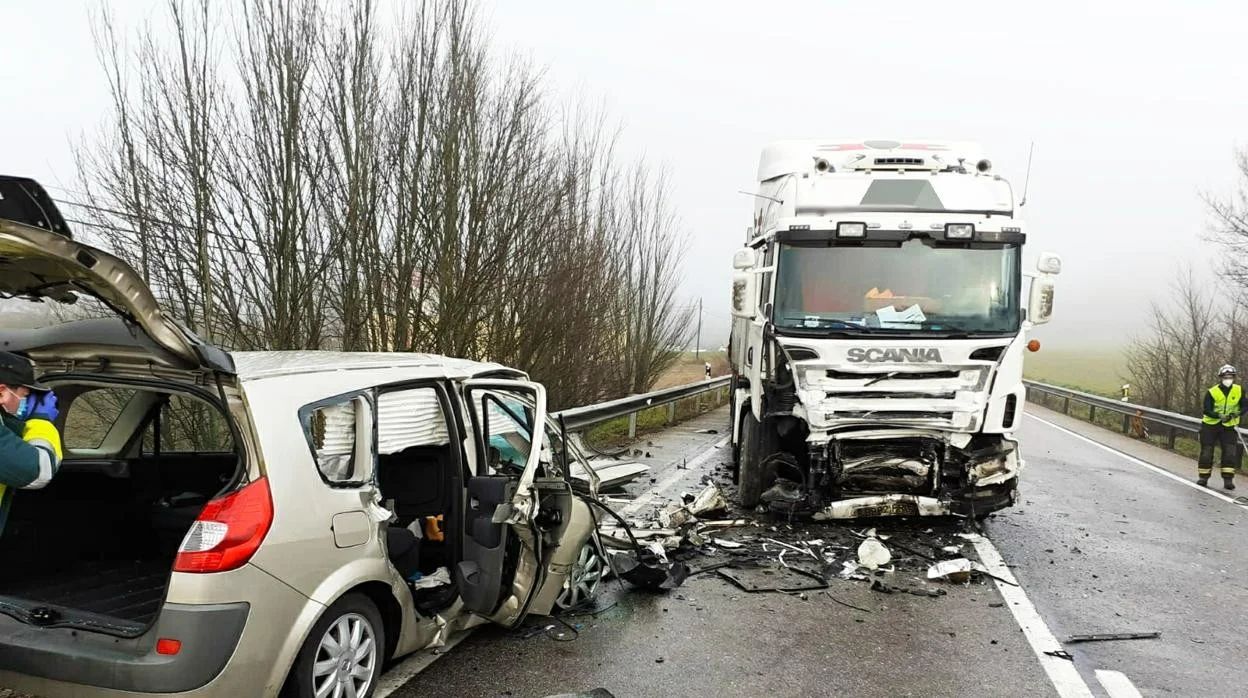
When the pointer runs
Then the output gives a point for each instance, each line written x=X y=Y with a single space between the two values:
x=959 y=231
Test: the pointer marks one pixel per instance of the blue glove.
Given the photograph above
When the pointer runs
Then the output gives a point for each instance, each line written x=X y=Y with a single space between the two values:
x=43 y=406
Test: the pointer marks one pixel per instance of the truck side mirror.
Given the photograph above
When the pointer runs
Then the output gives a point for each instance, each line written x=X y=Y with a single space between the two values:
x=744 y=294
x=744 y=258
x=1040 y=302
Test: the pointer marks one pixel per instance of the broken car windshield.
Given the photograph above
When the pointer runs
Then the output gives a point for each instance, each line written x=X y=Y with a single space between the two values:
x=914 y=287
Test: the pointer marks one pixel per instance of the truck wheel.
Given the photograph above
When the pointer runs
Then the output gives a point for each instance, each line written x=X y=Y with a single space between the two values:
x=733 y=423
x=757 y=442
x=343 y=654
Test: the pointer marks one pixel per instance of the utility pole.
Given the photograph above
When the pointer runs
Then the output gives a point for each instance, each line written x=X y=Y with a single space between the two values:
x=697 y=347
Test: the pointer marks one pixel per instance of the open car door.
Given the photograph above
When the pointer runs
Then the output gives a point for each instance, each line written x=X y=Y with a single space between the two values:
x=502 y=561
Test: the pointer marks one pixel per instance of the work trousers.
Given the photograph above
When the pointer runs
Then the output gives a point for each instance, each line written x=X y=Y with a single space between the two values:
x=1224 y=438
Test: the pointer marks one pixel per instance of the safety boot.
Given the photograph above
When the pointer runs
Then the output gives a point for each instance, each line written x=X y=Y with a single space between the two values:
x=1228 y=483
x=1203 y=482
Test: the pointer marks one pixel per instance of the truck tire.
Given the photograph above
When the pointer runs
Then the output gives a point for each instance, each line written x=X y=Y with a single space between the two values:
x=757 y=442
x=733 y=422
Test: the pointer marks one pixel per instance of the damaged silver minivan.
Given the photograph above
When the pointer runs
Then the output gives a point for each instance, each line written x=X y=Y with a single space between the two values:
x=247 y=524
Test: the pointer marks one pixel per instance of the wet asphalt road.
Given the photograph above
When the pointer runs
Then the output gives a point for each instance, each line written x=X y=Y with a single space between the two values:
x=1100 y=544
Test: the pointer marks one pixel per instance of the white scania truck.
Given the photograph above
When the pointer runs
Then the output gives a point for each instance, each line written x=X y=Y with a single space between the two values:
x=879 y=330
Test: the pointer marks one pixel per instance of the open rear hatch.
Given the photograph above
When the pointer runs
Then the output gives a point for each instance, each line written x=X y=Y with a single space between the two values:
x=94 y=549
x=44 y=263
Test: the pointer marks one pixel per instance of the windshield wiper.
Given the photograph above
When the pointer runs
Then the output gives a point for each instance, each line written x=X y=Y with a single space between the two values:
x=835 y=323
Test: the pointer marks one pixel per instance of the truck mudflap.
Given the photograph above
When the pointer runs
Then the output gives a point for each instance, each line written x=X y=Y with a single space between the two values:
x=972 y=502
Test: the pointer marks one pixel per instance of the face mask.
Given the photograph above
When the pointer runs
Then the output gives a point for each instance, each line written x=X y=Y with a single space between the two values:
x=23 y=407
x=1228 y=382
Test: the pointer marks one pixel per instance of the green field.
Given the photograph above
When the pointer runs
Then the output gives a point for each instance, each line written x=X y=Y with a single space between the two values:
x=1097 y=370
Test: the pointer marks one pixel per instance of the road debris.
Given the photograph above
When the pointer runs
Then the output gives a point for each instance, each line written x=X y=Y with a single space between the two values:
x=1105 y=637
x=883 y=587
x=958 y=571
x=782 y=579
x=846 y=605
x=647 y=569
x=872 y=554
x=596 y=693
x=1061 y=654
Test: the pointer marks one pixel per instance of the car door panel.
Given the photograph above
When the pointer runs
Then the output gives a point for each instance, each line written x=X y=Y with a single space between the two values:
x=500 y=564
x=483 y=569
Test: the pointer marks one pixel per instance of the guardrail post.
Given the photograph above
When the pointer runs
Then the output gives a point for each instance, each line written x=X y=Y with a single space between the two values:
x=1170 y=437
x=1091 y=413
x=671 y=412
x=1126 y=424
x=632 y=425
x=1066 y=405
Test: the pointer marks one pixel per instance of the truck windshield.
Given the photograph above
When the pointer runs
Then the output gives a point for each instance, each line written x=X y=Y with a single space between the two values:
x=916 y=286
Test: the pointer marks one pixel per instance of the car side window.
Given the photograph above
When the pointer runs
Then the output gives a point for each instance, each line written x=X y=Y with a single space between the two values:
x=339 y=433
x=188 y=425
x=508 y=423
x=91 y=415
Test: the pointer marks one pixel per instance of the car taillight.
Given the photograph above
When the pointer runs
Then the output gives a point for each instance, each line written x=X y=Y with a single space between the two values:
x=228 y=531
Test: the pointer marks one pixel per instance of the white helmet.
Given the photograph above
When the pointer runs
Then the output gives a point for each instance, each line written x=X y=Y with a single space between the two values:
x=1227 y=370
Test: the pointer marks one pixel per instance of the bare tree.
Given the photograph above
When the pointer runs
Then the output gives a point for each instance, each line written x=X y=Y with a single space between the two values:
x=291 y=177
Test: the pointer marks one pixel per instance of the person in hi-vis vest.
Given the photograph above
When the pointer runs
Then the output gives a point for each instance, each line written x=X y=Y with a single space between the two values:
x=1223 y=409
x=30 y=445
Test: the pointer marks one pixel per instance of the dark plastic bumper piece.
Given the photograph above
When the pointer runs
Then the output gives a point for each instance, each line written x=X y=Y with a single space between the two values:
x=209 y=635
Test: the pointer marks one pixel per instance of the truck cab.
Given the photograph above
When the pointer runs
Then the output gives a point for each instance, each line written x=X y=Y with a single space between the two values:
x=879 y=331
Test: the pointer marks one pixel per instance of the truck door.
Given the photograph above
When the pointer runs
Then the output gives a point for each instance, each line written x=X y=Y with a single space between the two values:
x=501 y=563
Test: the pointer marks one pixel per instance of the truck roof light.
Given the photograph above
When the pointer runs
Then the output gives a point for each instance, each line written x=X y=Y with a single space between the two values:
x=959 y=231
x=851 y=230
x=804 y=226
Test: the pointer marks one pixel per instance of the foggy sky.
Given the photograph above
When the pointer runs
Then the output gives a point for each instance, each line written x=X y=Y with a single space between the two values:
x=1134 y=110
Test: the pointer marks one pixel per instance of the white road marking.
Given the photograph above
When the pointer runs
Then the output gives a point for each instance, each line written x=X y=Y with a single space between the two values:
x=670 y=481
x=403 y=672
x=1062 y=672
x=1137 y=461
x=1117 y=685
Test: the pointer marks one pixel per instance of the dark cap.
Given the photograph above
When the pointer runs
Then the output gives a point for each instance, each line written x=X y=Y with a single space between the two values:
x=17 y=370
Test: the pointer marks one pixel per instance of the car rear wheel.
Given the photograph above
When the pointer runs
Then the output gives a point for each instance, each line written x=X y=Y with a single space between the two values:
x=344 y=653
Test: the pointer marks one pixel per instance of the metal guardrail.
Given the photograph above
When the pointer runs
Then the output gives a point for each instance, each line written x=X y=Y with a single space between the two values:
x=1135 y=418
x=581 y=418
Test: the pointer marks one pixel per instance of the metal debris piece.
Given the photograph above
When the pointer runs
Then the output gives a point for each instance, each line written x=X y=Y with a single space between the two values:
x=794 y=548
x=610 y=475
x=709 y=500
x=645 y=569
x=872 y=554
x=729 y=544
x=952 y=549
x=957 y=571
x=704 y=526
x=785 y=491
x=846 y=605
x=885 y=588
x=1104 y=637
x=1061 y=654
x=760 y=579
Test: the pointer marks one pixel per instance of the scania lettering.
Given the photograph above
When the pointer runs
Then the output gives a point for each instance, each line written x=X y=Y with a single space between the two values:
x=859 y=355
x=880 y=313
